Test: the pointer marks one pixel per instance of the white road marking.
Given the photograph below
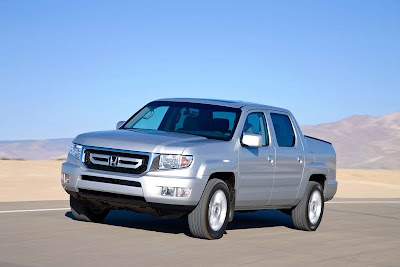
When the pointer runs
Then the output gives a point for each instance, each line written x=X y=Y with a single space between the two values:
x=364 y=202
x=34 y=210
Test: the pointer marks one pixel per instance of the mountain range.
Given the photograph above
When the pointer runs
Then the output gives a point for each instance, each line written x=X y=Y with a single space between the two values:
x=361 y=142
x=42 y=149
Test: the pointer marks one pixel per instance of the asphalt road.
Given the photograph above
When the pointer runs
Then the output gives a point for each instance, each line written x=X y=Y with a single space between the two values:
x=351 y=234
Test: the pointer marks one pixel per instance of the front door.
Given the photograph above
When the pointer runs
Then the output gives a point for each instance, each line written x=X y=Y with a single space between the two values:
x=256 y=165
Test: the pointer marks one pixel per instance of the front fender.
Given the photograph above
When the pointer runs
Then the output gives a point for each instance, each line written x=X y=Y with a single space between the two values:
x=211 y=166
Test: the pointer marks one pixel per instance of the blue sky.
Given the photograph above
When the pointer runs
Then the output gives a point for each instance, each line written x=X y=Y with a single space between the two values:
x=68 y=67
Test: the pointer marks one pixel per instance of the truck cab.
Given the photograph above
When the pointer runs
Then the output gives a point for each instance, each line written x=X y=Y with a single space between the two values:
x=203 y=159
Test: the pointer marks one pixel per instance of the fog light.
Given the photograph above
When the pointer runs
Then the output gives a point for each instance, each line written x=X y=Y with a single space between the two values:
x=183 y=192
x=175 y=191
x=168 y=191
x=64 y=178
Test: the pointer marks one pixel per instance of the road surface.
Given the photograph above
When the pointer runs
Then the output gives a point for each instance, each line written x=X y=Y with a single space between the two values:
x=362 y=232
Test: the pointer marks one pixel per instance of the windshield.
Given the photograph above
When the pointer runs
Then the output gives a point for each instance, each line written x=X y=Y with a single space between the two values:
x=211 y=121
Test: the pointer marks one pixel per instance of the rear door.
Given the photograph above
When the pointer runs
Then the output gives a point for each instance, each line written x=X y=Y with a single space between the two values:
x=289 y=159
x=256 y=164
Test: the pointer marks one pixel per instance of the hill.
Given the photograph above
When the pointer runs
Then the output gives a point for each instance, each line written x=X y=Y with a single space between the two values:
x=35 y=149
x=363 y=142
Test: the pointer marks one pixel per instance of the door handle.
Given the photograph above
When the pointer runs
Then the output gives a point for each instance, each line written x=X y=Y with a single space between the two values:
x=300 y=159
x=271 y=160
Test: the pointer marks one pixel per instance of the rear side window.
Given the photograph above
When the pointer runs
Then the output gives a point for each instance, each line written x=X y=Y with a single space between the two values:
x=283 y=130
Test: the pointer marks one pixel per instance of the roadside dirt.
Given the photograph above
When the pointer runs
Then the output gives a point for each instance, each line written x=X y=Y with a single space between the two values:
x=40 y=180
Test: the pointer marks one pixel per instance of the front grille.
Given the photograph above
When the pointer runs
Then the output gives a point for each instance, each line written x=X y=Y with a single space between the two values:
x=110 y=181
x=113 y=161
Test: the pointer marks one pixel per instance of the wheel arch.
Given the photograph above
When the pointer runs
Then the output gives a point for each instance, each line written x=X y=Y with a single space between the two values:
x=228 y=177
x=314 y=171
x=319 y=178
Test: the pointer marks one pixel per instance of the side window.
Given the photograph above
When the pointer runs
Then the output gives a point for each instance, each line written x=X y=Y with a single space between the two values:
x=283 y=130
x=255 y=124
x=152 y=119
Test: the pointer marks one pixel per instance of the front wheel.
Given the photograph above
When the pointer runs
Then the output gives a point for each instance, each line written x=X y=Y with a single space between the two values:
x=307 y=215
x=84 y=212
x=210 y=217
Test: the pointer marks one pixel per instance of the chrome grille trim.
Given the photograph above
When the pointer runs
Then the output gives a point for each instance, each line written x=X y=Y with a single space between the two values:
x=114 y=160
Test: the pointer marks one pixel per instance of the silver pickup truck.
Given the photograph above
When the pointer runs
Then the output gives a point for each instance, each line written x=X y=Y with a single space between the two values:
x=203 y=159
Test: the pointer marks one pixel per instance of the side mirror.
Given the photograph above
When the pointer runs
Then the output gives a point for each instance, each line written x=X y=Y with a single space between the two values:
x=252 y=140
x=119 y=124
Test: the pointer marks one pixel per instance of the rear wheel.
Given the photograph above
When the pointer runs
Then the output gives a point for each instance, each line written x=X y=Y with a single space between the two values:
x=307 y=215
x=210 y=217
x=85 y=212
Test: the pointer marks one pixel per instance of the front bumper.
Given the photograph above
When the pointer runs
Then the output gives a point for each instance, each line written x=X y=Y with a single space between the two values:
x=147 y=186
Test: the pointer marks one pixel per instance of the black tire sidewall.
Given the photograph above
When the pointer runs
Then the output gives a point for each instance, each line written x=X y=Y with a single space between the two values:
x=315 y=187
x=219 y=186
x=84 y=211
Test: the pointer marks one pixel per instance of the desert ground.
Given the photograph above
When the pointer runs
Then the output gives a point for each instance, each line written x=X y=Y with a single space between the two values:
x=40 y=180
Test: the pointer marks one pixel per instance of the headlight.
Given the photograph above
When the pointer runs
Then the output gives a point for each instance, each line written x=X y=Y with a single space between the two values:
x=174 y=161
x=75 y=151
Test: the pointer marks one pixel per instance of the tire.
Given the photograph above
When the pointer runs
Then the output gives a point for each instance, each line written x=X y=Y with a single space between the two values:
x=84 y=212
x=307 y=215
x=209 y=221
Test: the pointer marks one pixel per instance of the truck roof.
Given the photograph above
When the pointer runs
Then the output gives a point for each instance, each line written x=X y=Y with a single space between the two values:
x=226 y=103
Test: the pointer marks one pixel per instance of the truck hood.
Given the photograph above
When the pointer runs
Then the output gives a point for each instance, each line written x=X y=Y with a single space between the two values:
x=135 y=140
